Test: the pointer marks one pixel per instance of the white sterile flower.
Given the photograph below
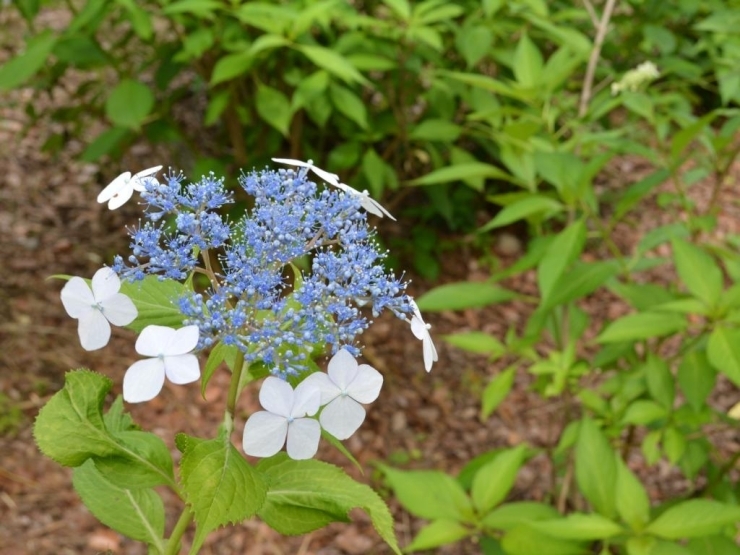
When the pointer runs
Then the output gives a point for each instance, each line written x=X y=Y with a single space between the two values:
x=96 y=307
x=421 y=330
x=285 y=417
x=366 y=201
x=343 y=388
x=330 y=178
x=170 y=349
x=118 y=191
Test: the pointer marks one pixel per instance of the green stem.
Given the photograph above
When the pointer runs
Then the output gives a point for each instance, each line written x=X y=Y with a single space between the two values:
x=236 y=376
x=173 y=544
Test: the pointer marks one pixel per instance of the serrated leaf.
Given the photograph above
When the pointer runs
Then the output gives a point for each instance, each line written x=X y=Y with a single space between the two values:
x=145 y=461
x=596 y=470
x=135 y=513
x=493 y=481
x=23 y=66
x=308 y=494
x=430 y=494
x=156 y=302
x=70 y=428
x=462 y=295
x=694 y=518
x=129 y=104
x=723 y=350
x=641 y=326
x=274 y=108
x=220 y=486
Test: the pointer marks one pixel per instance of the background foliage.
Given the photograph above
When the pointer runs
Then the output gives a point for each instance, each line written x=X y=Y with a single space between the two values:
x=507 y=103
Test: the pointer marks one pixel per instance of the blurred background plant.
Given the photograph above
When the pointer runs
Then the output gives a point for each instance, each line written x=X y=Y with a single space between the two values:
x=474 y=117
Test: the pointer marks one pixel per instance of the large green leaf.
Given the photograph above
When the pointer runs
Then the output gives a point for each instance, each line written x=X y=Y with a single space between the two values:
x=156 y=302
x=694 y=518
x=134 y=512
x=462 y=295
x=596 y=469
x=305 y=495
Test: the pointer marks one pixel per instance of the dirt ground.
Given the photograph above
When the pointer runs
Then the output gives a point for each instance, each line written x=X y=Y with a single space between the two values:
x=50 y=224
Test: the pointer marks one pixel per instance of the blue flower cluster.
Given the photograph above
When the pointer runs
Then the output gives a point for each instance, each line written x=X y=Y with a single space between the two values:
x=292 y=275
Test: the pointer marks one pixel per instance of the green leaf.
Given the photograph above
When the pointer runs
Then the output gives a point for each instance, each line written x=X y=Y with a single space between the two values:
x=69 y=428
x=632 y=502
x=146 y=463
x=528 y=63
x=202 y=8
x=641 y=296
x=306 y=495
x=683 y=137
x=349 y=104
x=435 y=130
x=525 y=540
x=22 y=67
x=506 y=517
x=566 y=247
x=429 y=494
x=674 y=444
x=723 y=350
x=493 y=481
x=643 y=325
x=524 y=208
x=476 y=342
x=80 y=51
x=696 y=378
x=439 y=532
x=139 y=19
x=108 y=142
x=274 y=108
x=401 y=7
x=660 y=381
x=581 y=280
x=230 y=66
x=713 y=545
x=643 y=411
x=579 y=526
x=474 y=43
x=156 y=302
x=639 y=190
x=694 y=518
x=698 y=271
x=220 y=486
x=332 y=62
x=596 y=470
x=129 y=104
x=462 y=295
x=496 y=391
x=461 y=172
x=135 y=513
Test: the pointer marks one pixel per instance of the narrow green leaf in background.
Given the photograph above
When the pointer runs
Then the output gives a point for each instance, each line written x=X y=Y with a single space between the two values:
x=632 y=502
x=698 y=271
x=640 y=326
x=348 y=104
x=460 y=172
x=694 y=518
x=521 y=209
x=462 y=295
x=274 y=108
x=696 y=377
x=493 y=481
x=723 y=350
x=566 y=247
x=496 y=391
x=17 y=70
x=439 y=532
x=596 y=470
x=476 y=342
x=579 y=526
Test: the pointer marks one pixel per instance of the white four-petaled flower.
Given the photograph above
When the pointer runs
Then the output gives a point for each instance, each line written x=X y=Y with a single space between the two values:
x=285 y=417
x=170 y=349
x=366 y=201
x=96 y=307
x=118 y=191
x=343 y=388
x=421 y=330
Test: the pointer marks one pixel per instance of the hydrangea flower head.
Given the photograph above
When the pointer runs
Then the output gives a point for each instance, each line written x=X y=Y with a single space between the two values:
x=118 y=191
x=343 y=388
x=97 y=307
x=286 y=416
x=170 y=351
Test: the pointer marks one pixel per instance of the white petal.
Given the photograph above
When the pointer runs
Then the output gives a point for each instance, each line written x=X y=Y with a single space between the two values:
x=292 y=162
x=365 y=388
x=114 y=187
x=430 y=352
x=418 y=327
x=94 y=330
x=182 y=369
x=77 y=297
x=276 y=396
x=306 y=400
x=264 y=434
x=330 y=178
x=342 y=417
x=153 y=339
x=143 y=380
x=374 y=207
x=121 y=197
x=328 y=388
x=139 y=179
x=342 y=368
x=119 y=310
x=105 y=283
x=183 y=341
x=147 y=172
x=303 y=438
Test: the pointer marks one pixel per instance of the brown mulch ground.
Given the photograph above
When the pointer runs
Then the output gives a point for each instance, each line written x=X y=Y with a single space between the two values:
x=50 y=223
